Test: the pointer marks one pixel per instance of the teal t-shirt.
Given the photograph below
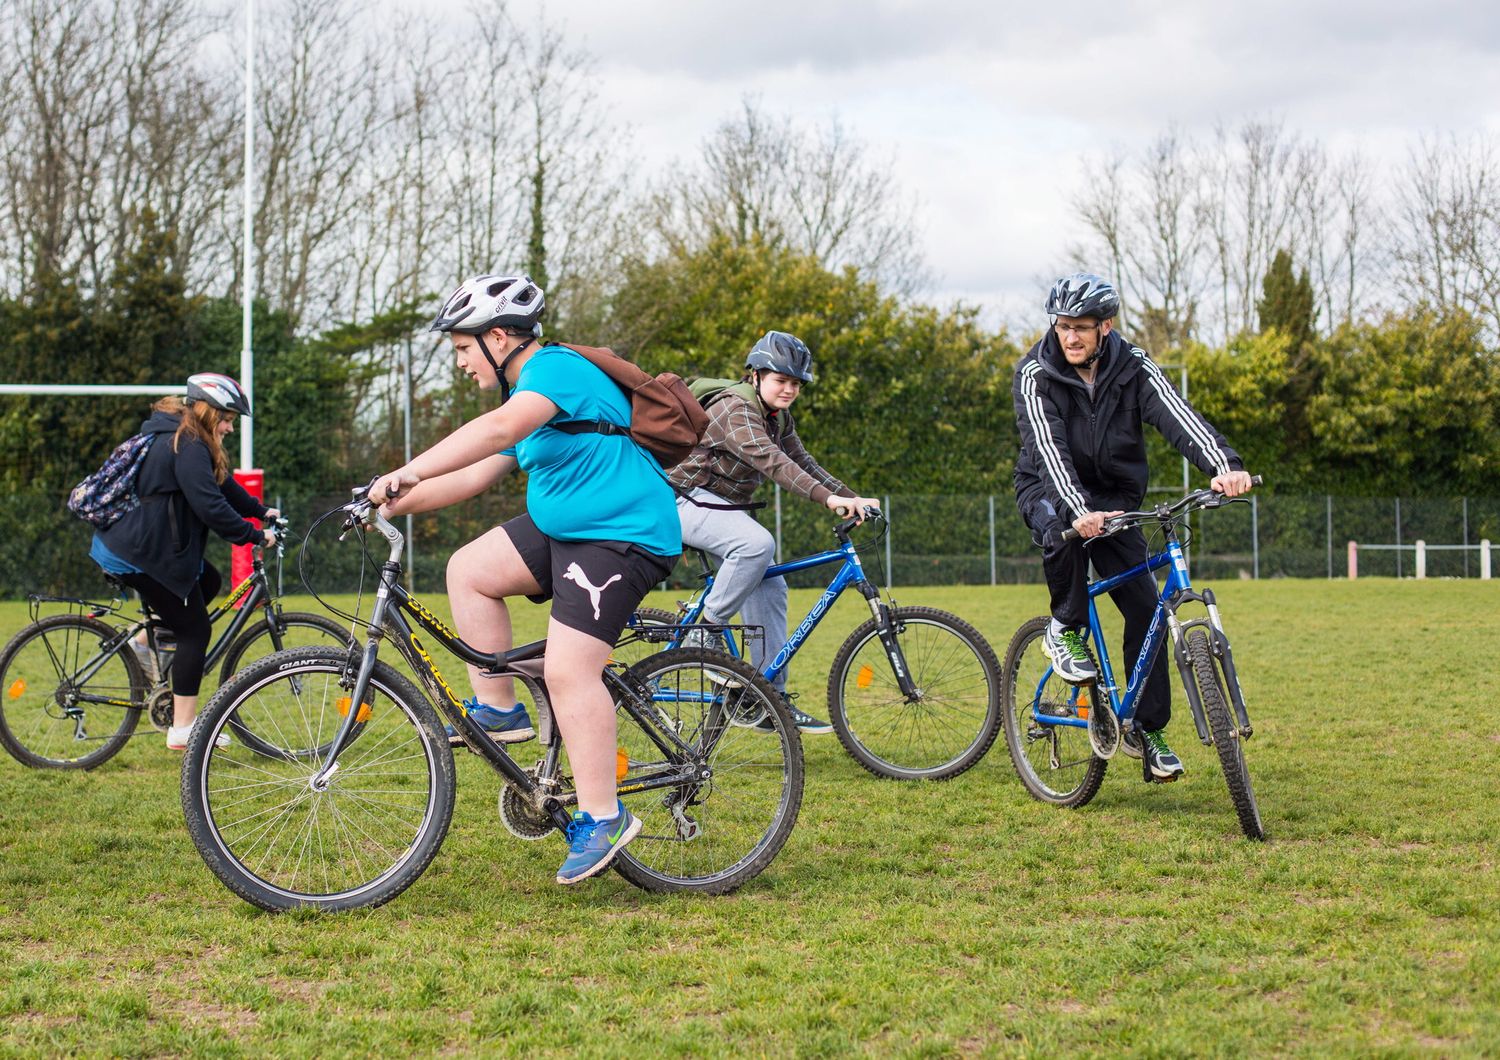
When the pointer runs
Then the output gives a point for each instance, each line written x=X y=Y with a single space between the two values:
x=591 y=487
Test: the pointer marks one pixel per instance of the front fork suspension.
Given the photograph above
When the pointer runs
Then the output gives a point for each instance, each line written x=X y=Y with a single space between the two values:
x=885 y=627
x=1219 y=646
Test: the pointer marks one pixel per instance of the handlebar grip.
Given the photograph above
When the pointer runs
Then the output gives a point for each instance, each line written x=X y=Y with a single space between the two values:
x=1071 y=535
x=1256 y=480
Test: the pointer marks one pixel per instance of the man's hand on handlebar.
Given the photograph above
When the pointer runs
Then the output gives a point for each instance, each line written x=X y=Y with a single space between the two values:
x=1092 y=524
x=268 y=537
x=852 y=507
x=1232 y=483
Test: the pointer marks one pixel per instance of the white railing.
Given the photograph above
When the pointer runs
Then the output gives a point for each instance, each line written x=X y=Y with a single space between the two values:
x=1421 y=548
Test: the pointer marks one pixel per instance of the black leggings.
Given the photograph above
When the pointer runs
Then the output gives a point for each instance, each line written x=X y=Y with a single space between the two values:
x=187 y=619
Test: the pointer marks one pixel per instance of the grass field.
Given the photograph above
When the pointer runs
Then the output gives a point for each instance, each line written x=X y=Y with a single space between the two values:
x=959 y=918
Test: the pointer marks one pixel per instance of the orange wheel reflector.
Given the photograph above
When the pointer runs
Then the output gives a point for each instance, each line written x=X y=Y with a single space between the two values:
x=17 y=688
x=1083 y=711
x=364 y=709
x=864 y=677
x=622 y=764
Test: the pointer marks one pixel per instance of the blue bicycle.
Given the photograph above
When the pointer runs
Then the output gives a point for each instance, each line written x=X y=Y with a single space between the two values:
x=914 y=693
x=1062 y=736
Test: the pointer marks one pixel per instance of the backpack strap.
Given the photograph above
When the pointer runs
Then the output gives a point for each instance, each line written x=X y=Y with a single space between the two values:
x=695 y=502
x=589 y=427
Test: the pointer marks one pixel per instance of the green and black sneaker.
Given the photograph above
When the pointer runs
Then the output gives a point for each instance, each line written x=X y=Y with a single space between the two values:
x=1070 y=656
x=1159 y=762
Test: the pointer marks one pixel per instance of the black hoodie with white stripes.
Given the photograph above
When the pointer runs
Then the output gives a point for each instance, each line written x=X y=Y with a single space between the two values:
x=1084 y=452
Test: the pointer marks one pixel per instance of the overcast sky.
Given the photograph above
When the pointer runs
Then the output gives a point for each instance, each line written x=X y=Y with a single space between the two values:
x=989 y=111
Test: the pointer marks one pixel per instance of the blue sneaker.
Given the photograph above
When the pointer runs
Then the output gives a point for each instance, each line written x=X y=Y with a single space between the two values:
x=504 y=726
x=592 y=844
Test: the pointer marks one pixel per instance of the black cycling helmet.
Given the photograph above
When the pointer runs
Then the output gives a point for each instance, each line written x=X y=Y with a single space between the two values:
x=1083 y=295
x=220 y=391
x=779 y=352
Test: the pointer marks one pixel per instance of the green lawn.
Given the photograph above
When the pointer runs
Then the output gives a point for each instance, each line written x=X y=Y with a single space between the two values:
x=958 y=918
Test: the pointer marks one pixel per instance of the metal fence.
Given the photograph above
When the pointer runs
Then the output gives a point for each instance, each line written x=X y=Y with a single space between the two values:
x=943 y=540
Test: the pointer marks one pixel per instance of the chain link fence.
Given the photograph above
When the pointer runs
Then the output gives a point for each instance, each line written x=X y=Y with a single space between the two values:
x=929 y=540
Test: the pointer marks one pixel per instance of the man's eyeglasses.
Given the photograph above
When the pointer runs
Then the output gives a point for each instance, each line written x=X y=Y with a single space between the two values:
x=1076 y=329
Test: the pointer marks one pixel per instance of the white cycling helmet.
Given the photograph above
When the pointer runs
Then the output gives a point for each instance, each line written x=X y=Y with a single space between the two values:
x=220 y=391
x=492 y=302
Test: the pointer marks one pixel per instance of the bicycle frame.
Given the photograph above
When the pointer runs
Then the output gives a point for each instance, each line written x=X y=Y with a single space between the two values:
x=255 y=585
x=1176 y=591
x=389 y=618
x=850 y=573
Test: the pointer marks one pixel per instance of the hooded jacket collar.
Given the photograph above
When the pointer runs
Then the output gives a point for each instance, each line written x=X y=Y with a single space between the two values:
x=1111 y=363
x=160 y=423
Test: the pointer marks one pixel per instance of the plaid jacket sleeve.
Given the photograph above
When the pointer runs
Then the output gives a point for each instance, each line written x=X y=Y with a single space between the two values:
x=791 y=444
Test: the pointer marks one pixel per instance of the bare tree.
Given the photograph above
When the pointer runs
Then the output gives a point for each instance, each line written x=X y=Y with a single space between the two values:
x=105 y=114
x=1145 y=225
x=1448 y=241
x=815 y=191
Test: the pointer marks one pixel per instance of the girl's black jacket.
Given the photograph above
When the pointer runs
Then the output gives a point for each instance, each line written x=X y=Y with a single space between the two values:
x=180 y=503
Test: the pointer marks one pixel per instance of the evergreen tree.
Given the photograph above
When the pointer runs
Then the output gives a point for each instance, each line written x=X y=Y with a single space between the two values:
x=1286 y=302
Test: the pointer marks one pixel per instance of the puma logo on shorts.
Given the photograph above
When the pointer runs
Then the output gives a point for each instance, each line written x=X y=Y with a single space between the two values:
x=575 y=573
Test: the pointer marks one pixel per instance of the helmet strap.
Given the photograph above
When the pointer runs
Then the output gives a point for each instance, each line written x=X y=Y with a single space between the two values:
x=503 y=365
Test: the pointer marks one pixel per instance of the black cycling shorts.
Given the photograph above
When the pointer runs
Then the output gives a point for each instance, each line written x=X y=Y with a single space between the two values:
x=594 y=586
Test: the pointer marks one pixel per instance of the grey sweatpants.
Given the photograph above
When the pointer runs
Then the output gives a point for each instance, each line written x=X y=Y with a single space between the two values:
x=744 y=550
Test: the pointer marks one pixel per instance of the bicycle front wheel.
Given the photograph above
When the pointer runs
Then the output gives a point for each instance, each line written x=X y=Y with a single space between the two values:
x=298 y=629
x=280 y=838
x=726 y=820
x=1226 y=736
x=1054 y=760
x=63 y=705
x=953 y=718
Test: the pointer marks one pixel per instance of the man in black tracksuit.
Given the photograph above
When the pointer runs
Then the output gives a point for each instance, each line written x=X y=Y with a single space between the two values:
x=1081 y=396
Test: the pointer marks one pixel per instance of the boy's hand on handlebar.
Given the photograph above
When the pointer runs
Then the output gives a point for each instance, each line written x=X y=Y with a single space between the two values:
x=852 y=507
x=388 y=487
x=273 y=513
x=268 y=537
x=1092 y=524
x=1233 y=483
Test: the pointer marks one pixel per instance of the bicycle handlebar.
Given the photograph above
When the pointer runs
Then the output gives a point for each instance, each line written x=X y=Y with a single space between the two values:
x=849 y=522
x=1195 y=501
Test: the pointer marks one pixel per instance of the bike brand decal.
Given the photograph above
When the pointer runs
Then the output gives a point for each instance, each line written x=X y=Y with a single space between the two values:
x=430 y=620
x=436 y=676
x=811 y=620
x=243 y=588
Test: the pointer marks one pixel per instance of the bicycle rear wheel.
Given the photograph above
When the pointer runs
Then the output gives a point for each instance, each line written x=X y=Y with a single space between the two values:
x=723 y=827
x=278 y=841
x=48 y=673
x=1055 y=762
x=955 y=717
x=299 y=630
x=1225 y=734
x=643 y=637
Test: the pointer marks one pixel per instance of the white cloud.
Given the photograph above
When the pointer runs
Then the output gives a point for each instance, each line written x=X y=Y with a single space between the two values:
x=991 y=112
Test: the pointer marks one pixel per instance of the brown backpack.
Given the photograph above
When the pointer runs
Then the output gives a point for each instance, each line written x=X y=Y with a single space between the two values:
x=665 y=418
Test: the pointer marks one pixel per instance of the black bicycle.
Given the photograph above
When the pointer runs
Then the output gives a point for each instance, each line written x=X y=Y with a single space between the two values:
x=72 y=689
x=354 y=823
